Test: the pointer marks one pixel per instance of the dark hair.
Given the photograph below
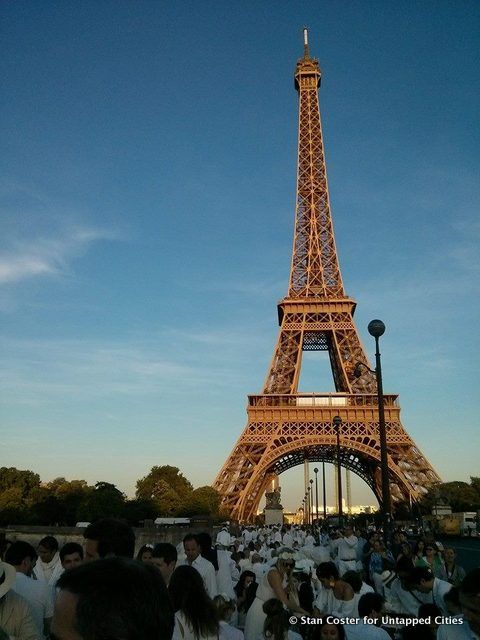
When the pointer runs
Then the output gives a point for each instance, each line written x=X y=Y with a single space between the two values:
x=428 y=610
x=369 y=602
x=316 y=630
x=119 y=598
x=69 y=548
x=143 y=548
x=327 y=570
x=166 y=551
x=470 y=585
x=114 y=537
x=191 y=536
x=49 y=542
x=354 y=579
x=240 y=586
x=452 y=596
x=276 y=622
x=404 y=564
x=205 y=542
x=188 y=595
x=420 y=573
x=18 y=551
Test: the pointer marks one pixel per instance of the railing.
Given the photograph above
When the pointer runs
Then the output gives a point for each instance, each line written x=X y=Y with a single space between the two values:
x=305 y=400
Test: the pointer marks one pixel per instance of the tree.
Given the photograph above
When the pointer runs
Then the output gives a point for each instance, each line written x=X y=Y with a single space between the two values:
x=154 y=484
x=71 y=494
x=105 y=501
x=137 y=510
x=204 y=501
x=22 y=480
x=459 y=495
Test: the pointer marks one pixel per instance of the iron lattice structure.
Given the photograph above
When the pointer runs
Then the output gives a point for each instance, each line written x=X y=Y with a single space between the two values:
x=285 y=427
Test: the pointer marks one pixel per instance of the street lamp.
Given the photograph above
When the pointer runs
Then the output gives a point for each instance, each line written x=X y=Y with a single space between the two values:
x=376 y=328
x=315 y=471
x=337 y=422
x=324 y=493
x=309 y=505
x=311 y=501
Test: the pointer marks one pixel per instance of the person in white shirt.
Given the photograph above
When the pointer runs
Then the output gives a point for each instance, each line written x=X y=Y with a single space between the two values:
x=346 y=551
x=423 y=580
x=203 y=566
x=369 y=606
x=470 y=602
x=360 y=588
x=39 y=595
x=48 y=567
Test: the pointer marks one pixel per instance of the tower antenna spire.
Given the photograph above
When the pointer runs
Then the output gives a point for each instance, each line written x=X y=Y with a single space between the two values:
x=306 y=52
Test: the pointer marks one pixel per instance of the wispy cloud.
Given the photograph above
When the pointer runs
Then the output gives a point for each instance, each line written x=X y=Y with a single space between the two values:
x=27 y=258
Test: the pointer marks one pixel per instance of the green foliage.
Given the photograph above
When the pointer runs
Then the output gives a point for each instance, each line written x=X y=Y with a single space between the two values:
x=153 y=485
x=105 y=501
x=460 y=496
x=202 y=501
x=163 y=492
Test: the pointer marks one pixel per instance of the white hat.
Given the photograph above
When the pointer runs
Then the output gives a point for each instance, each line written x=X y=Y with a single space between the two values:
x=7 y=578
x=388 y=577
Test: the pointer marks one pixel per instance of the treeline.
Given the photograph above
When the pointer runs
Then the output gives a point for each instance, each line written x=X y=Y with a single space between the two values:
x=163 y=492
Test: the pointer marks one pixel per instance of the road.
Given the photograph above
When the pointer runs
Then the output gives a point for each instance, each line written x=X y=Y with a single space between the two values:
x=468 y=551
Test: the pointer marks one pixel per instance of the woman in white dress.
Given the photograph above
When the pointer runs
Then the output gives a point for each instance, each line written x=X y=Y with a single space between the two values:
x=277 y=583
x=195 y=614
x=336 y=597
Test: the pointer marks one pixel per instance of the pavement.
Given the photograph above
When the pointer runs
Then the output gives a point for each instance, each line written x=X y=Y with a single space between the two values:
x=468 y=551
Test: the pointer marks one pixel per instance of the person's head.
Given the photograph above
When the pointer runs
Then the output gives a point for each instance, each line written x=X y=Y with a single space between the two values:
x=327 y=573
x=348 y=531
x=191 y=546
x=71 y=555
x=205 y=542
x=47 y=548
x=354 y=579
x=164 y=557
x=224 y=607
x=22 y=556
x=406 y=549
x=452 y=601
x=188 y=595
x=421 y=578
x=419 y=547
x=112 y=598
x=449 y=555
x=246 y=579
x=285 y=561
x=328 y=631
x=378 y=545
x=431 y=550
x=371 y=605
x=145 y=553
x=276 y=623
x=108 y=537
x=470 y=599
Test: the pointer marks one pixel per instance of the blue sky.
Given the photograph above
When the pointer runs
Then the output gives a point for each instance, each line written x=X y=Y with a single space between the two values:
x=147 y=188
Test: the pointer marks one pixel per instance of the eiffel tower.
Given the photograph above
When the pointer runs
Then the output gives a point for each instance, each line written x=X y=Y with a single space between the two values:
x=285 y=427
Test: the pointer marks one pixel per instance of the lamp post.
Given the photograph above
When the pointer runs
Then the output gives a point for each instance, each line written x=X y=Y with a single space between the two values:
x=324 y=493
x=311 y=500
x=315 y=471
x=376 y=328
x=337 y=422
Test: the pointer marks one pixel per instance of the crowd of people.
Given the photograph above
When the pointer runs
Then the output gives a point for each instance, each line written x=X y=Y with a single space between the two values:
x=259 y=583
